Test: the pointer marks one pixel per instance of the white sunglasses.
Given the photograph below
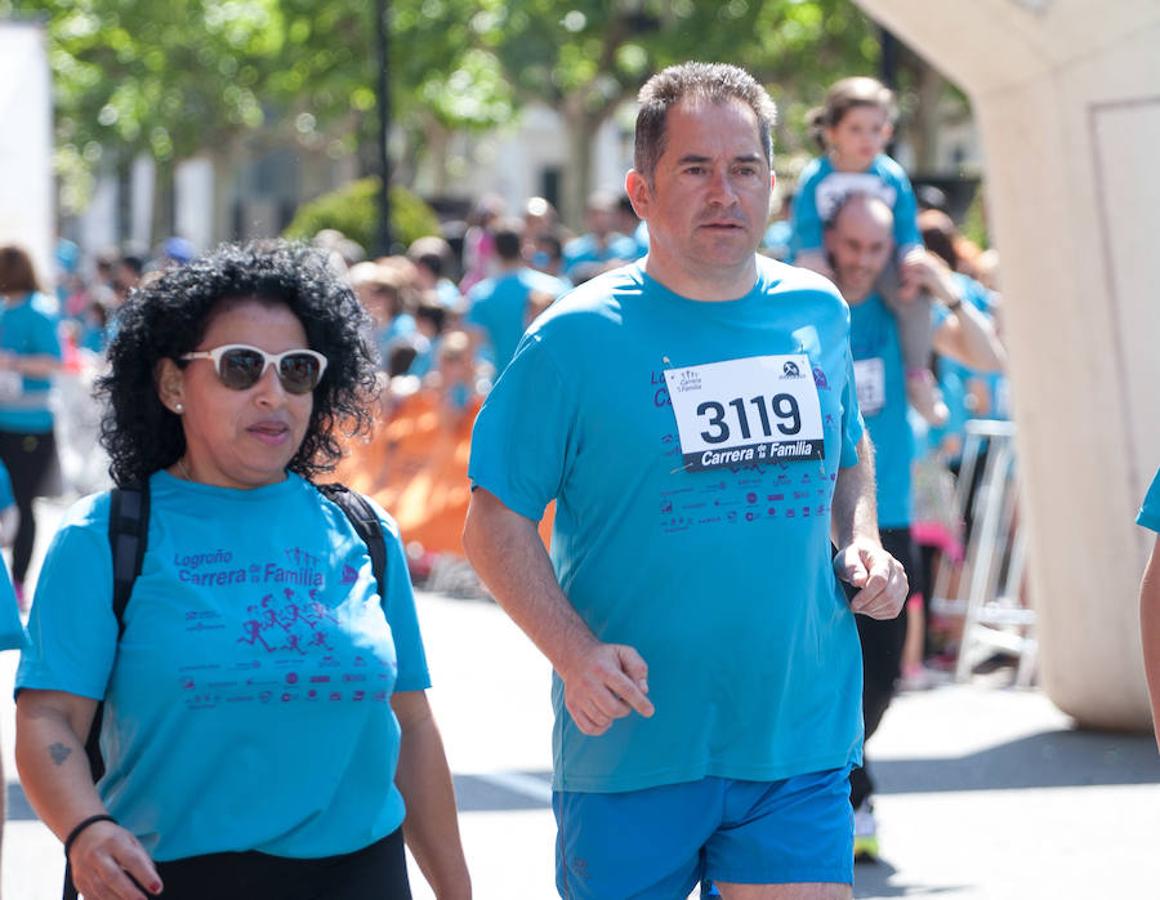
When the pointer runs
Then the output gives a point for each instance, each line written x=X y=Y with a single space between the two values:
x=240 y=366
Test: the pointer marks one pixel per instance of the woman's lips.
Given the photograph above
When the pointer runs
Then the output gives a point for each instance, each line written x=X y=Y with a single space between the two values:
x=271 y=433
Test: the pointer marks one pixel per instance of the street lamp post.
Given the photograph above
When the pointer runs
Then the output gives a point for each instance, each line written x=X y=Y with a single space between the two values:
x=383 y=45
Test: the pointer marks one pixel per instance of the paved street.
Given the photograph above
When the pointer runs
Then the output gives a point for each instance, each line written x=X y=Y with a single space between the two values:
x=986 y=792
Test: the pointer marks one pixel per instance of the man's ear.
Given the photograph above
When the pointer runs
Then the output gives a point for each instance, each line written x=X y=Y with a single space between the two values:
x=170 y=381
x=639 y=194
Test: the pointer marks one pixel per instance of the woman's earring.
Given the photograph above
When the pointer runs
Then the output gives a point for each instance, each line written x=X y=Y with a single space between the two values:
x=178 y=408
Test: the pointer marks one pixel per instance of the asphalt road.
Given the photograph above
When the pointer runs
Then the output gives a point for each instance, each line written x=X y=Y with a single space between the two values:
x=985 y=791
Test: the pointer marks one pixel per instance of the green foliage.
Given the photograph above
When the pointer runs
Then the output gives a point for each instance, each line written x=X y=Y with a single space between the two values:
x=173 y=77
x=353 y=210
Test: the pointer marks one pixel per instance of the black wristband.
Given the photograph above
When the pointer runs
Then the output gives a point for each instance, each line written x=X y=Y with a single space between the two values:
x=81 y=826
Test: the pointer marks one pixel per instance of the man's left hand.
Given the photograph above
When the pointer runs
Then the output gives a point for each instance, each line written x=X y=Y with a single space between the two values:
x=882 y=581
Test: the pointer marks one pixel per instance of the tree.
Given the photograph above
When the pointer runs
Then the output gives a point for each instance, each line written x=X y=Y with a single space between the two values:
x=587 y=57
x=174 y=77
x=162 y=77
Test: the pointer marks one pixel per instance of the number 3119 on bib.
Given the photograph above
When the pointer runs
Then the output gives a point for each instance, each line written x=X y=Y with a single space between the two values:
x=747 y=411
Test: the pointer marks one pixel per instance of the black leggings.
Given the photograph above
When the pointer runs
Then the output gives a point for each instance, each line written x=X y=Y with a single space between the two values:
x=882 y=641
x=377 y=872
x=32 y=465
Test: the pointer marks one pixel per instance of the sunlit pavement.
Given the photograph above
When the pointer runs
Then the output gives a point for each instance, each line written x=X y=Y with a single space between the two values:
x=984 y=792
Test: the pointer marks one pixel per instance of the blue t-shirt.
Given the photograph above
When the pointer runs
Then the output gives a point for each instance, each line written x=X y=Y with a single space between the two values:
x=821 y=189
x=1149 y=515
x=949 y=369
x=247 y=704
x=722 y=579
x=28 y=328
x=499 y=306
x=12 y=633
x=882 y=399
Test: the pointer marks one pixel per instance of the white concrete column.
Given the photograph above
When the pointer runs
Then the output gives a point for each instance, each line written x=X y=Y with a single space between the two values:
x=1067 y=97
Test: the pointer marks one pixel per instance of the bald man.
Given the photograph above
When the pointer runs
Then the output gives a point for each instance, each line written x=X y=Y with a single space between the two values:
x=860 y=245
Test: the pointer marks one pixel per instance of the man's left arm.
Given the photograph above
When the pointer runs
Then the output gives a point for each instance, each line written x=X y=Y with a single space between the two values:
x=862 y=561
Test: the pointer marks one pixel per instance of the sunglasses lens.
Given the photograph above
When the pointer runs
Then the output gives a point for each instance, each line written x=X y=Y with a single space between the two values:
x=300 y=373
x=240 y=369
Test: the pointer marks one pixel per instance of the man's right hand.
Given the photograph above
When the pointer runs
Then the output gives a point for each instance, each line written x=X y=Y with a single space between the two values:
x=603 y=683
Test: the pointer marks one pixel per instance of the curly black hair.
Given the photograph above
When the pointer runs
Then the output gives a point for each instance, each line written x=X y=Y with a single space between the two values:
x=169 y=317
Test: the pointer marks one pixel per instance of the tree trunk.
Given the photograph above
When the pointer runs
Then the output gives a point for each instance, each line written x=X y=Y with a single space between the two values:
x=164 y=220
x=223 y=160
x=582 y=126
x=124 y=174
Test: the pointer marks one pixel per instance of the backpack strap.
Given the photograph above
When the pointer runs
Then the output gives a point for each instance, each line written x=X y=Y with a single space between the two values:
x=366 y=522
x=128 y=536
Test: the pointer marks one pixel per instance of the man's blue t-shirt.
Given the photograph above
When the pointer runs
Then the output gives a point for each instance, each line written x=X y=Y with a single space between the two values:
x=821 y=189
x=721 y=578
x=248 y=700
x=27 y=328
x=1149 y=515
x=881 y=383
x=499 y=306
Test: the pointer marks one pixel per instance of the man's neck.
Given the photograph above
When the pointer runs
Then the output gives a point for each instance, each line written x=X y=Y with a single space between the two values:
x=852 y=298
x=695 y=283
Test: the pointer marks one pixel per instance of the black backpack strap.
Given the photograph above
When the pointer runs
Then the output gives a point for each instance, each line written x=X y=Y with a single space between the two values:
x=128 y=537
x=366 y=522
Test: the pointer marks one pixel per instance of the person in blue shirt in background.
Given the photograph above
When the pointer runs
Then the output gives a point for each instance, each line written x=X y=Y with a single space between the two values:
x=601 y=247
x=1149 y=517
x=853 y=127
x=30 y=354
x=860 y=245
x=693 y=416
x=501 y=307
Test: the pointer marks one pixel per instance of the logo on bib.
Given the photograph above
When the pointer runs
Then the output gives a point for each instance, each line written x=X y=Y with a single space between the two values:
x=791 y=370
x=688 y=380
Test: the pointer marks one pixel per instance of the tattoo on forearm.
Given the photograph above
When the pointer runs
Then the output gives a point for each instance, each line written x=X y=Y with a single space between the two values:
x=59 y=753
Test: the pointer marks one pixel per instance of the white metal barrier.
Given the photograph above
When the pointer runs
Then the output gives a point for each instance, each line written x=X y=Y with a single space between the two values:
x=989 y=594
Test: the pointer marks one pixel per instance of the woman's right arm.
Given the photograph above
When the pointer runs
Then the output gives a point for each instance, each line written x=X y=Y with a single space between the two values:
x=54 y=770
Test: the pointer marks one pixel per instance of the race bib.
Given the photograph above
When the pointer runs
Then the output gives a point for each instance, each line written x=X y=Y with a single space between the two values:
x=870 y=384
x=746 y=411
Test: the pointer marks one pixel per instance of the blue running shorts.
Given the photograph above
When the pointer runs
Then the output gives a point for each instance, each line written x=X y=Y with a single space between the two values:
x=659 y=843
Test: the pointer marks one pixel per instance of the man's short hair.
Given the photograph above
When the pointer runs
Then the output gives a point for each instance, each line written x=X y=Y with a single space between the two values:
x=509 y=238
x=711 y=82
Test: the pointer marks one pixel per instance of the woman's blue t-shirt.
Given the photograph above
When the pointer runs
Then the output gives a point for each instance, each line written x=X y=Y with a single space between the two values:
x=247 y=704
x=28 y=328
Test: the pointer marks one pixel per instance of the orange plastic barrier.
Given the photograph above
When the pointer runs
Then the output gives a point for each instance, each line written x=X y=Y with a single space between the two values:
x=415 y=466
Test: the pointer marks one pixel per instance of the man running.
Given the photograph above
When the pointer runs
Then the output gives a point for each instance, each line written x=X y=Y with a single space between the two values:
x=694 y=417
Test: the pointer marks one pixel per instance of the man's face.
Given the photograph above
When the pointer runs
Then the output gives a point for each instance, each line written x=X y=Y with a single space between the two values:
x=709 y=198
x=859 y=244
